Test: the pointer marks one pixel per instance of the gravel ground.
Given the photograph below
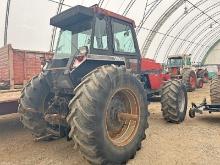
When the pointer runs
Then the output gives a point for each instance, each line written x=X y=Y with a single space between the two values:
x=196 y=141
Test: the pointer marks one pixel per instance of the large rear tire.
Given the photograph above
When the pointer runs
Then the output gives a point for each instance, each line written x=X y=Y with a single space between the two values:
x=31 y=105
x=174 y=101
x=189 y=79
x=98 y=127
x=215 y=90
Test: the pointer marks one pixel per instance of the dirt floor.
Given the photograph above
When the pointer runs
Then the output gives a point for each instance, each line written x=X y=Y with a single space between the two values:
x=196 y=141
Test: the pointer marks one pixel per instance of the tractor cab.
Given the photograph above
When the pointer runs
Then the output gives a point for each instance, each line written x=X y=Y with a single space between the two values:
x=89 y=31
x=176 y=63
x=91 y=37
x=179 y=61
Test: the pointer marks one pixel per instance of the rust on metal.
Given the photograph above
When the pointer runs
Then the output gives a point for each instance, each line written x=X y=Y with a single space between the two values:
x=8 y=106
x=121 y=128
x=127 y=116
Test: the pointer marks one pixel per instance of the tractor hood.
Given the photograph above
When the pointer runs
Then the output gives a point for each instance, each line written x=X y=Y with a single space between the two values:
x=71 y=16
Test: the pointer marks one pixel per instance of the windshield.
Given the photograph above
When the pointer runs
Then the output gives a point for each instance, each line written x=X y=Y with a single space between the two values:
x=71 y=40
x=175 y=62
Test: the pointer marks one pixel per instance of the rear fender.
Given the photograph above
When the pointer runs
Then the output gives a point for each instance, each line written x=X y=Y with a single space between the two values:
x=90 y=64
x=68 y=78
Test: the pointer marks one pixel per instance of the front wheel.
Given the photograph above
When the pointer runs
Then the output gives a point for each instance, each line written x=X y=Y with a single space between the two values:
x=174 y=101
x=108 y=115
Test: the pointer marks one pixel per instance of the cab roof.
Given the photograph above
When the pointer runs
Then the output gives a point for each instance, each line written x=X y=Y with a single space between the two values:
x=78 y=13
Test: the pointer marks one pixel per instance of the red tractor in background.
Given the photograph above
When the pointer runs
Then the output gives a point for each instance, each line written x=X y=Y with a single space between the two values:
x=179 y=67
x=97 y=88
x=154 y=77
x=202 y=72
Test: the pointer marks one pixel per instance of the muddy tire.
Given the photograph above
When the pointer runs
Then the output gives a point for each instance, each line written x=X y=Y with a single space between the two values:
x=199 y=83
x=174 y=101
x=215 y=90
x=189 y=79
x=96 y=128
x=32 y=97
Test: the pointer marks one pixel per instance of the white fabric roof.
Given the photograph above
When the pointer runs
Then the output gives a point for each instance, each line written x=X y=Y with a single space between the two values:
x=179 y=30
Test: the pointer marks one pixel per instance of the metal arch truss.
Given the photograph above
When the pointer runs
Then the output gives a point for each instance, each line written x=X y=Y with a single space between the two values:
x=128 y=7
x=207 y=51
x=208 y=48
x=192 y=32
x=147 y=14
x=100 y=3
x=174 y=25
x=53 y=36
x=206 y=39
x=196 y=37
x=187 y=26
x=159 y=23
x=209 y=44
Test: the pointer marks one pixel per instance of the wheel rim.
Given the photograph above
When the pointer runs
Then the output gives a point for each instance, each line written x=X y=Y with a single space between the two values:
x=192 y=81
x=122 y=117
x=181 y=101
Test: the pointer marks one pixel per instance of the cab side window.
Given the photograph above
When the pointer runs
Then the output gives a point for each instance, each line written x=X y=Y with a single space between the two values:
x=122 y=38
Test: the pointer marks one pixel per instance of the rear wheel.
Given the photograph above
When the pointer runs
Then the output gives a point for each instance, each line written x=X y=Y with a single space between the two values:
x=174 y=101
x=215 y=90
x=199 y=83
x=108 y=115
x=189 y=79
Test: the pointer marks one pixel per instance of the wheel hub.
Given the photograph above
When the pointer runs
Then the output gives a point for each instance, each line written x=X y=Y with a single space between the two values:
x=122 y=117
x=113 y=121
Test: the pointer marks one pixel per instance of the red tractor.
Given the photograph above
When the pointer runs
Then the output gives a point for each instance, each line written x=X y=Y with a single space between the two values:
x=179 y=67
x=97 y=88
x=202 y=73
x=153 y=77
